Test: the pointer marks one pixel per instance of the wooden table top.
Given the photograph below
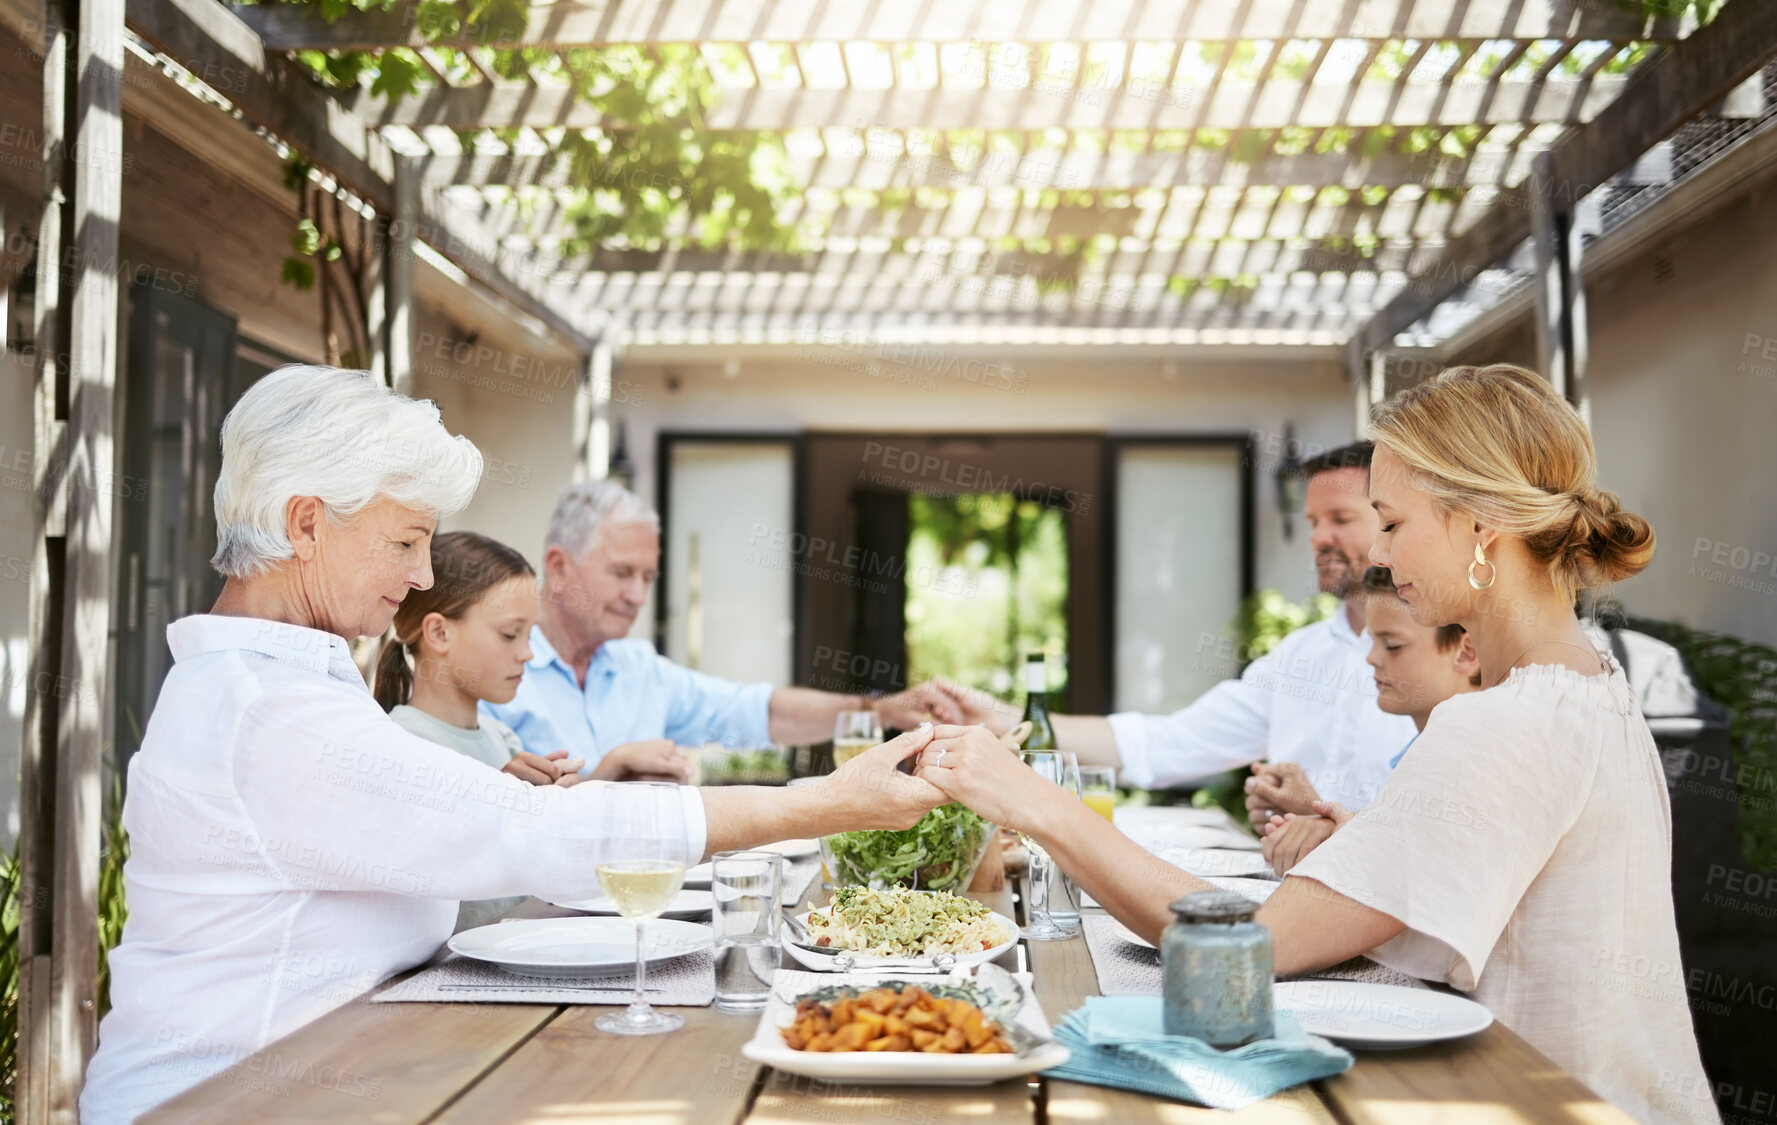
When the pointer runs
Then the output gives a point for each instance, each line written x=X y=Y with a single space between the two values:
x=403 y=1064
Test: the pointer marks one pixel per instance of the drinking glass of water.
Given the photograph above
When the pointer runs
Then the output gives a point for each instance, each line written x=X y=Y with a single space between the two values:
x=749 y=889
x=641 y=868
x=853 y=733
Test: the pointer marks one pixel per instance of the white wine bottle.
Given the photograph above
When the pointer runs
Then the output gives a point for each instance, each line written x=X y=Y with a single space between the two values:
x=1036 y=703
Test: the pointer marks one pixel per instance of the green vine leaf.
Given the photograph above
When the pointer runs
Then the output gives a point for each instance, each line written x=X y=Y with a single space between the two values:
x=299 y=274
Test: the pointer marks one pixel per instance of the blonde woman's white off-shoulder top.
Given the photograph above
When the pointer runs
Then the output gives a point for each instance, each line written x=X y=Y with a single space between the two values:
x=1526 y=841
x=290 y=847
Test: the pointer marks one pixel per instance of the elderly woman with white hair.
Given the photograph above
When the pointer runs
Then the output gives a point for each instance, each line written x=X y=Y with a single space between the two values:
x=291 y=846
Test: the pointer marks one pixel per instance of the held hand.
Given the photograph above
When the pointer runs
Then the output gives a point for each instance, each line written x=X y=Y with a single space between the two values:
x=874 y=793
x=1289 y=844
x=550 y=770
x=655 y=759
x=973 y=707
x=1335 y=812
x=1281 y=787
x=923 y=703
x=974 y=767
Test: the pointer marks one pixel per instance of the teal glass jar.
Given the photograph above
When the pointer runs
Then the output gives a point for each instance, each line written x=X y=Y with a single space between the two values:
x=1217 y=966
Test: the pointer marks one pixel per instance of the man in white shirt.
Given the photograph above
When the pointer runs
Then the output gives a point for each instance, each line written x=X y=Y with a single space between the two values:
x=1312 y=700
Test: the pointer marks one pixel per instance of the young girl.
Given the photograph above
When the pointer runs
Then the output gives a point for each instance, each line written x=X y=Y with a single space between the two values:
x=469 y=637
x=1522 y=852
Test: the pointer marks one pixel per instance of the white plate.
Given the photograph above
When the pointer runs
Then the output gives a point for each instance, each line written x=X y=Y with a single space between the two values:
x=794 y=849
x=1205 y=862
x=698 y=876
x=1379 y=1017
x=1131 y=817
x=685 y=904
x=824 y=963
x=577 y=947
x=1158 y=838
x=1257 y=890
x=893 y=1068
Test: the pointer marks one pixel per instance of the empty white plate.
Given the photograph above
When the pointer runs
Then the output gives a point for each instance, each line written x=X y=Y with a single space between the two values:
x=577 y=948
x=1379 y=1017
x=793 y=849
x=1258 y=890
x=1205 y=862
x=685 y=904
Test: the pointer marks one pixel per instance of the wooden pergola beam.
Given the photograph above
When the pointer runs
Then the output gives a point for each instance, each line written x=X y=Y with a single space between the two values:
x=665 y=271
x=875 y=168
x=1668 y=91
x=656 y=22
x=274 y=93
x=1227 y=105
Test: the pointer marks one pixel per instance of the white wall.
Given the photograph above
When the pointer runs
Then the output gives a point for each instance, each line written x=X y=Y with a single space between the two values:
x=1083 y=390
x=1683 y=385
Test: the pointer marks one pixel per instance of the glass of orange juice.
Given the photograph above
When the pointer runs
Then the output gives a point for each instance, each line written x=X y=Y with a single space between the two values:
x=1098 y=788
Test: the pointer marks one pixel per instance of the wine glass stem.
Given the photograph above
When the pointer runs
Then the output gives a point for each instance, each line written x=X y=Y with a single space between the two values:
x=640 y=1007
x=1039 y=889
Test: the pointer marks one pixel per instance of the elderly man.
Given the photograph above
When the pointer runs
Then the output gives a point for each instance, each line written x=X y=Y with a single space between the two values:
x=1309 y=706
x=290 y=845
x=613 y=700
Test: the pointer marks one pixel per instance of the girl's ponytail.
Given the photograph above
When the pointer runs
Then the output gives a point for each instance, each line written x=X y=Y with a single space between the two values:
x=394 y=678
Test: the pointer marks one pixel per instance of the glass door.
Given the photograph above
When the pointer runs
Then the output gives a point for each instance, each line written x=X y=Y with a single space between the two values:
x=180 y=382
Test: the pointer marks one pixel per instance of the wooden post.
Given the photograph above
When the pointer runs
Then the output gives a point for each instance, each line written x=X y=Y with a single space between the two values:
x=1560 y=295
x=596 y=453
x=1356 y=369
x=376 y=300
x=70 y=613
x=398 y=249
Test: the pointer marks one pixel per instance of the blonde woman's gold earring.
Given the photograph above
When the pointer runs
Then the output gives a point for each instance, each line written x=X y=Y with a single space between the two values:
x=1481 y=560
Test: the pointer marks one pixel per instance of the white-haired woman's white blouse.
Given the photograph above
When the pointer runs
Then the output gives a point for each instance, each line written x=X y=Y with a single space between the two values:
x=1526 y=841
x=290 y=847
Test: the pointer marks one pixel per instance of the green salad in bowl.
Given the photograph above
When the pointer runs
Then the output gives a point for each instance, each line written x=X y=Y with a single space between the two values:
x=940 y=853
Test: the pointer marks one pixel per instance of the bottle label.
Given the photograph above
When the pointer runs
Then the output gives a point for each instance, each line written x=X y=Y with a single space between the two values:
x=1036 y=676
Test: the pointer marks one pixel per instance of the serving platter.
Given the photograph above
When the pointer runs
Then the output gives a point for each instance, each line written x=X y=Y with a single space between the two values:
x=889 y=1068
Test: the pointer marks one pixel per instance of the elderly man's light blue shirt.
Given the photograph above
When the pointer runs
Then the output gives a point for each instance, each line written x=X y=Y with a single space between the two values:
x=632 y=693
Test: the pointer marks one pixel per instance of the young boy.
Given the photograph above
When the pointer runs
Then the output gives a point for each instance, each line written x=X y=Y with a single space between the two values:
x=1417 y=668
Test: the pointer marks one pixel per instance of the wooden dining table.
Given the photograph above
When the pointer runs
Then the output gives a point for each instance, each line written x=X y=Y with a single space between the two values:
x=451 y=1063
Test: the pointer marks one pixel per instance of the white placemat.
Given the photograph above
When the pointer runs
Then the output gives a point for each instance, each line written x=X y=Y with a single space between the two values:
x=688 y=981
x=1132 y=970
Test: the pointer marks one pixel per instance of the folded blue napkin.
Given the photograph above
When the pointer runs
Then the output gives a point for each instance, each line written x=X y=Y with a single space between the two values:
x=1119 y=1041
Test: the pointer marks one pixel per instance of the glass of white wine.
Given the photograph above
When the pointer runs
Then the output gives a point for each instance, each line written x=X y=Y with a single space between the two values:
x=853 y=733
x=1063 y=770
x=641 y=869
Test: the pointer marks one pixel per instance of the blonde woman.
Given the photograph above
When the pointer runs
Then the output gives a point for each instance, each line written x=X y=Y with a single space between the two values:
x=1522 y=852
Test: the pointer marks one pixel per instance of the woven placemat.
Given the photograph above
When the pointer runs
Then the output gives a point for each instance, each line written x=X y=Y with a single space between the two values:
x=688 y=981
x=1125 y=969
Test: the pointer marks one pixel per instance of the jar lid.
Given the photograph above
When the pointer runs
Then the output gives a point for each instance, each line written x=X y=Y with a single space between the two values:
x=1224 y=907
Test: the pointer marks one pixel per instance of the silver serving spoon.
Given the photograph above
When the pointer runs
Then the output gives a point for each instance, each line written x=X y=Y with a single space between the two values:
x=1005 y=997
